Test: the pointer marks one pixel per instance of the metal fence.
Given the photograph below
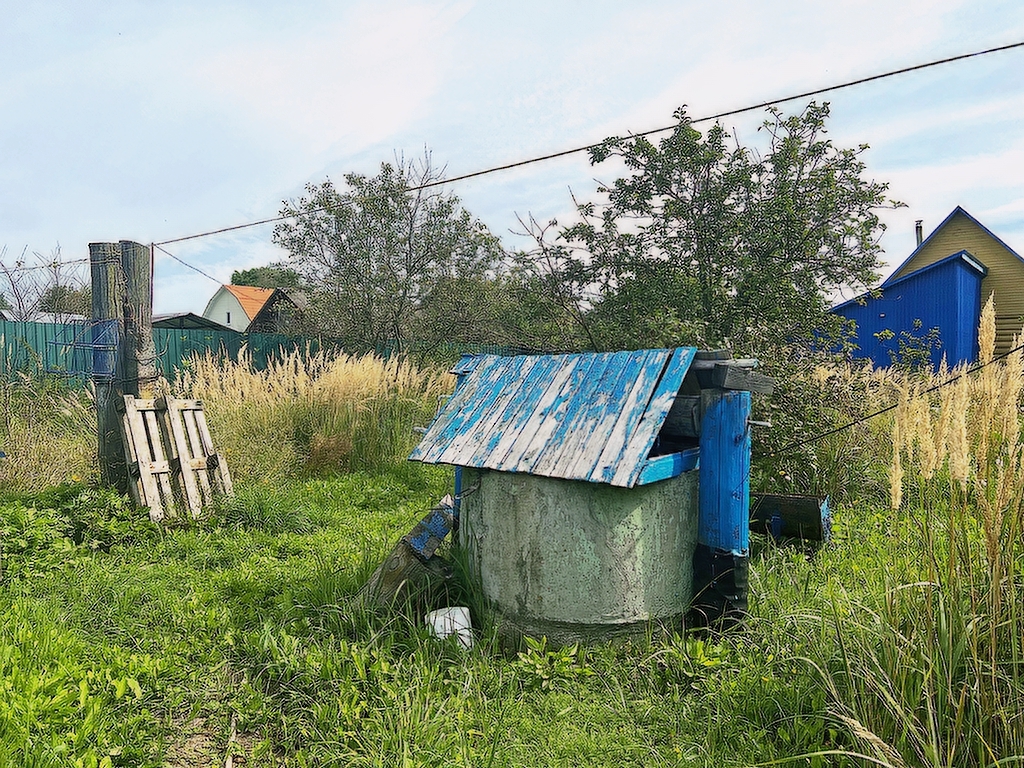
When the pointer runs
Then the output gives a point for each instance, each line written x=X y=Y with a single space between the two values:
x=68 y=349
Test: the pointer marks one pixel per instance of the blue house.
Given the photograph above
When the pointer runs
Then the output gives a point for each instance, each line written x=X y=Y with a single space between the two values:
x=933 y=299
x=945 y=296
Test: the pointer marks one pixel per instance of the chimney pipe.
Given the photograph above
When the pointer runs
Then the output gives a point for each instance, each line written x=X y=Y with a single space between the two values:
x=918 y=231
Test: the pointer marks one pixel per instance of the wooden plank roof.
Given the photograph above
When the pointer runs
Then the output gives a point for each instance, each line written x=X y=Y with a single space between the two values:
x=591 y=417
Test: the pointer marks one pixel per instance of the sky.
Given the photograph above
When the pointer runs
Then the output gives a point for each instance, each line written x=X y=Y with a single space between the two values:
x=157 y=120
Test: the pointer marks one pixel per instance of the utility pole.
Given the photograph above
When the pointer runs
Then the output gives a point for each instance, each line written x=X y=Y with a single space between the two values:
x=140 y=369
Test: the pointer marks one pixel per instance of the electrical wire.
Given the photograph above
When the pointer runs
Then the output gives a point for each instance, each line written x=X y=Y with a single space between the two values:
x=48 y=265
x=182 y=261
x=650 y=132
x=974 y=369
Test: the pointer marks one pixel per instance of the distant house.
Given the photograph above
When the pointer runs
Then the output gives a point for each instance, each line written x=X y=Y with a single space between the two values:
x=942 y=285
x=244 y=308
x=236 y=305
x=280 y=313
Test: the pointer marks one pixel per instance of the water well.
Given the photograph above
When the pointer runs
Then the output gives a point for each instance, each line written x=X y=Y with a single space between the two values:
x=598 y=492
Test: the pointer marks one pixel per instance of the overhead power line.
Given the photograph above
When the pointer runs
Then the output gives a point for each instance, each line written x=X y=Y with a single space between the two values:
x=850 y=425
x=650 y=132
x=47 y=265
x=182 y=261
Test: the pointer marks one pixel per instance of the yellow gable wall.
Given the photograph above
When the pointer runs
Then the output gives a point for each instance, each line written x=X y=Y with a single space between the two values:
x=1005 y=271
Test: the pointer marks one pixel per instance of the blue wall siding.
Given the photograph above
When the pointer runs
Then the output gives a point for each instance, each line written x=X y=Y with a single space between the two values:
x=945 y=295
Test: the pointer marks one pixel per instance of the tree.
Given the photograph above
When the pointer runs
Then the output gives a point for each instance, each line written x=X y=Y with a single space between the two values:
x=270 y=276
x=66 y=300
x=42 y=284
x=386 y=260
x=705 y=242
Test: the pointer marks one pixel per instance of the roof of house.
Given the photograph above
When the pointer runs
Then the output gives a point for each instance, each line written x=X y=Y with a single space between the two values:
x=187 y=320
x=591 y=417
x=964 y=256
x=955 y=212
x=252 y=299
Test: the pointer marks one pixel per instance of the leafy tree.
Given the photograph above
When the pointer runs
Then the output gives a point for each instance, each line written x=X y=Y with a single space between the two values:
x=270 y=276
x=387 y=261
x=35 y=283
x=706 y=242
x=66 y=300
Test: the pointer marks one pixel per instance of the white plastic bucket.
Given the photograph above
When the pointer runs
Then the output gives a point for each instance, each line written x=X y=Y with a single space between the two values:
x=446 y=622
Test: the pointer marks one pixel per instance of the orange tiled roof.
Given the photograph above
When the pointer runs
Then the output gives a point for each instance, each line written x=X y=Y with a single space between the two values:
x=251 y=299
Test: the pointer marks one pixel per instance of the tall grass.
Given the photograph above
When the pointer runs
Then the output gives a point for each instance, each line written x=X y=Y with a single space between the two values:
x=934 y=673
x=311 y=413
x=47 y=430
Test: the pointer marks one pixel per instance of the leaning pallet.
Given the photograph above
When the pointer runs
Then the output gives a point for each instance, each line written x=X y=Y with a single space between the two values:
x=170 y=454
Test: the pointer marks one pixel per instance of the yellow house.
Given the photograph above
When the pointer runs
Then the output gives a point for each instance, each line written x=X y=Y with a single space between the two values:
x=962 y=232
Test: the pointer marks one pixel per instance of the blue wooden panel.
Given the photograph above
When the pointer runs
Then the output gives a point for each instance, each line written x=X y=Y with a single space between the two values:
x=524 y=443
x=585 y=415
x=670 y=465
x=568 y=416
x=944 y=295
x=557 y=419
x=479 y=391
x=723 y=518
x=630 y=413
x=595 y=440
x=657 y=409
x=485 y=414
x=518 y=412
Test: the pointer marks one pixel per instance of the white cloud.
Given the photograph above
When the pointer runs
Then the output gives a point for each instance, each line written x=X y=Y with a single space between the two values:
x=343 y=84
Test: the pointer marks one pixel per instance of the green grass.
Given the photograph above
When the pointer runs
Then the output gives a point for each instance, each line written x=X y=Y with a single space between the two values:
x=251 y=615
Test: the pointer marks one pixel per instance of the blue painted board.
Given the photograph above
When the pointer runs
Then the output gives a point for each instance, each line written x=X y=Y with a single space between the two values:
x=654 y=414
x=723 y=518
x=668 y=466
x=613 y=452
x=586 y=415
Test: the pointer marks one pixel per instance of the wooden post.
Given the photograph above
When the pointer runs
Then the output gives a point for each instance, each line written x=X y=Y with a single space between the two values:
x=724 y=512
x=107 y=367
x=140 y=368
x=723 y=517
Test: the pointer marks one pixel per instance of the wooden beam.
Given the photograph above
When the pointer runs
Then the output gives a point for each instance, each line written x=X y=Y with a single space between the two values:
x=724 y=511
x=140 y=368
x=669 y=465
x=741 y=379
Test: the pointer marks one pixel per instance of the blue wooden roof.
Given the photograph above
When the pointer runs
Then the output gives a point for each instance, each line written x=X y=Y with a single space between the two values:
x=591 y=417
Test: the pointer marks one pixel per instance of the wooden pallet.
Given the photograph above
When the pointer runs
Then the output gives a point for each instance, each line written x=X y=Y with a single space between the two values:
x=170 y=454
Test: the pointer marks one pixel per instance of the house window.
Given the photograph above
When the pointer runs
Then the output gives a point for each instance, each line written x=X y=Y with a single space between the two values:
x=229 y=318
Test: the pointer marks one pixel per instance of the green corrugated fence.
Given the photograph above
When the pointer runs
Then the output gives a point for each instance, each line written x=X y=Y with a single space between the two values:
x=66 y=349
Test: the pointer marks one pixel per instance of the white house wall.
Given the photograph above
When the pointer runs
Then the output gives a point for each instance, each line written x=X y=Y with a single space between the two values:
x=225 y=309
